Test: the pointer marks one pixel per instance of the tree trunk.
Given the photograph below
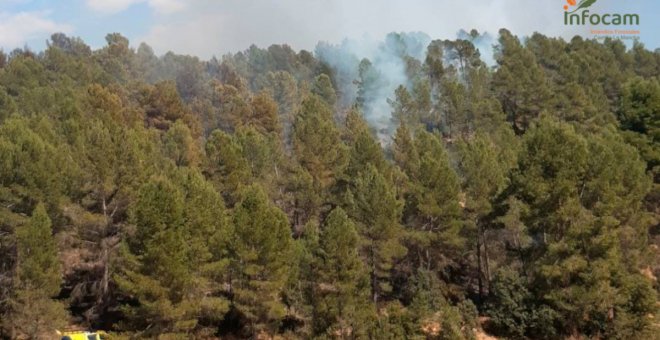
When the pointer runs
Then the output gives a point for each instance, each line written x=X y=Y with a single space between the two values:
x=106 y=277
x=374 y=280
x=486 y=258
x=479 y=266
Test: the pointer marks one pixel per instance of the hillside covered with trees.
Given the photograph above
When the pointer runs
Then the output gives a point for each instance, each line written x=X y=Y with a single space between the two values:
x=296 y=194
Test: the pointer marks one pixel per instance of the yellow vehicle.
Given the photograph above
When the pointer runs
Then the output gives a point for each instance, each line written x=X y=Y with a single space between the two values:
x=83 y=335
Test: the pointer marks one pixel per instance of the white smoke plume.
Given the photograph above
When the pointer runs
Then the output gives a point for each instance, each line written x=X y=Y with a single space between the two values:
x=388 y=69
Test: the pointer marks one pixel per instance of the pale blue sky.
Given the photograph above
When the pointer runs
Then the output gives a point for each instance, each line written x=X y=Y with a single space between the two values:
x=214 y=27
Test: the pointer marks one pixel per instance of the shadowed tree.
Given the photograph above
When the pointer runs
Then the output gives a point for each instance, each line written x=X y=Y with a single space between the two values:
x=33 y=313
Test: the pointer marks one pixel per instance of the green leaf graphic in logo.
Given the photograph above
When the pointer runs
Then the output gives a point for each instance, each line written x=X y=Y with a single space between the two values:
x=584 y=4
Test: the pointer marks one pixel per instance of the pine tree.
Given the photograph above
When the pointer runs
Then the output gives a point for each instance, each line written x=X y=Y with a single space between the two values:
x=208 y=233
x=404 y=110
x=464 y=54
x=7 y=104
x=405 y=152
x=375 y=207
x=264 y=115
x=484 y=177
x=164 y=107
x=583 y=195
x=640 y=107
x=227 y=168
x=455 y=107
x=511 y=305
x=155 y=259
x=33 y=168
x=370 y=80
x=284 y=90
x=364 y=148
x=233 y=105
x=32 y=311
x=434 y=61
x=303 y=200
x=157 y=268
x=432 y=314
x=341 y=293
x=520 y=83
x=263 y=153
x=439 y=185
x=435 y=198
x=317 y=144
x=262 y=250
x=114 y=163
x=323 y=88
x=180 y=146
x=299 y=293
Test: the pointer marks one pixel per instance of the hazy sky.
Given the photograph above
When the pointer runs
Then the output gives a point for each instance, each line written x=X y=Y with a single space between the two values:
x=214 y=27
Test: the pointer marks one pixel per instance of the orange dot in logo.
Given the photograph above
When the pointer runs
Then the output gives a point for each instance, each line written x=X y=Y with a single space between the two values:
x=571 y=2
x=566 y=7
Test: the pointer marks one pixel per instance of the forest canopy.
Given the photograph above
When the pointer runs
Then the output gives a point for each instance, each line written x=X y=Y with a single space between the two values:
x=429 y=191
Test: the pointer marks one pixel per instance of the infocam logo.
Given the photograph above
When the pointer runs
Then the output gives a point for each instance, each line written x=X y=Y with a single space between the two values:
x=577 y=13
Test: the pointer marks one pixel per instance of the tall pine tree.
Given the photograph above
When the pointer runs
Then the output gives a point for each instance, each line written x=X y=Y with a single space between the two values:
x=262 y=250
x=33 y=313
x=374 y=205
x=341 y=293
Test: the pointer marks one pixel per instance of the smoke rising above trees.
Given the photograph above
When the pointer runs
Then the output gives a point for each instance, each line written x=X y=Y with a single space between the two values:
x=369 y=71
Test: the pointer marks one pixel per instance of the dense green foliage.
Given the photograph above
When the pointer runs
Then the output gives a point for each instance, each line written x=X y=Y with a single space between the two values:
x=170 y=197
